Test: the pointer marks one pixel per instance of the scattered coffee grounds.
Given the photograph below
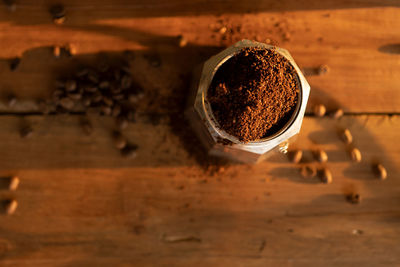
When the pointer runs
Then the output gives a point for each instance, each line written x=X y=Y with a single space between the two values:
x=254 y=93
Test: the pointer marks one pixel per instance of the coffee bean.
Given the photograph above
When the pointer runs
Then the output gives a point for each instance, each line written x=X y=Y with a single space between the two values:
x=59 y=21
x=82 y=72
x=67 y=103
x=119 y=140
x=87 y=127
x=222 y=30
x=295 y=156
x=96 y=97
x=323 y=69
x=308 y=171
x=326 y=176
x=118 y=97
x=116 y=110
x=11 y=206
x=26 y=131
x=319 y=110
x=126 y=81
x=346 y=136
x=121 y=122
x=104 y=84
x=70 y=85
x=380 y=171
x=106 y=110
x=93 y=77
x=129 y=151
x=56 y=51
x=90 y=89
x=182 y=41
x=354 y=198
x=14 y=63
x=321 y=155
x=14 y=183
x=71 y=49
x=355 y=155
x=108 y=101
x=86 y=101
x=337 y=114
x=75 y=96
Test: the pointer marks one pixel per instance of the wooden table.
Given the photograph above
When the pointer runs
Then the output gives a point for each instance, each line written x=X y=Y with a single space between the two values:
x=81 y=204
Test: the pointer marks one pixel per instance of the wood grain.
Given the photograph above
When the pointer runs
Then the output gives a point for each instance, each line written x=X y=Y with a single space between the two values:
x=363 y=77
x=81 y=204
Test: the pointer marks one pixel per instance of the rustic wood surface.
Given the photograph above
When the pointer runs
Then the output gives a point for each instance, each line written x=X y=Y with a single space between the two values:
x=82 y=204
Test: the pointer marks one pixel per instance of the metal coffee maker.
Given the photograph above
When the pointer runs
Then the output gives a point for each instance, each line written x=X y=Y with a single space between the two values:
x=217 y=141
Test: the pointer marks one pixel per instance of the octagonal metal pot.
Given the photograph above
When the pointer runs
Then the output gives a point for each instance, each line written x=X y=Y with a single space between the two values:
x=216 y=140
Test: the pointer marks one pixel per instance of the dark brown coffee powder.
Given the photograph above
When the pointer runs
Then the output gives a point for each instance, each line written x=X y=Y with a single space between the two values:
x=254 y=93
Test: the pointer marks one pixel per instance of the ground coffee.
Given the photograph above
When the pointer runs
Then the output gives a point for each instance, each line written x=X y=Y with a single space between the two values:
x=254 y=93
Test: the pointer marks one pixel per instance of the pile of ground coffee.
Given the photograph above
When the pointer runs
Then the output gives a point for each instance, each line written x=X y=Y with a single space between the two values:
x=254 y=93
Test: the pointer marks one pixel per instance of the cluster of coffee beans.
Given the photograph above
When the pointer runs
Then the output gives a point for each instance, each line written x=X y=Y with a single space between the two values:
x=105 y=90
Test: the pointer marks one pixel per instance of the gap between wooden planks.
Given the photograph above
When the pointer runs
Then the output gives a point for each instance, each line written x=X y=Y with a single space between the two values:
x=363 y=77
x=81 y=204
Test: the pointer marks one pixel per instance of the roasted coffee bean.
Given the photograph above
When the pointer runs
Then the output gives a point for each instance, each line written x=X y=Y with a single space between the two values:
x=26 y=131
x=14 y=63
x=71 y=49
x=67 y=103
x=118 y=97
x=75 y=96
x=86 y=101
x=326 y=176
x=295 y=156
x=308 y=171
x=121 y=122
x=104 y=84
x=337 y=113
x=116 y=110
x=11 y=206
x=119 y=140
x=135 y=98
x=70 y=85
x=319 y=110
x=82 y=72
x=323 y=69
x=90 y=89
x=56 y=51
x=13 y=183
x=59 y=21
x=108 y=101
x=93 y=77
x=320 y=155
x=346 y=136
x=380 y=171
x=182 y=41
x=106 y=110
x=355 y=155
x=126 y=81
x=129 y=151
x=96 y=97
x=354 y=198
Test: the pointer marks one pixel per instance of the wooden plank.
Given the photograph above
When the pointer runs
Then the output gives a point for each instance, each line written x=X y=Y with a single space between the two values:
x=81 y=204
x=363 y=77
